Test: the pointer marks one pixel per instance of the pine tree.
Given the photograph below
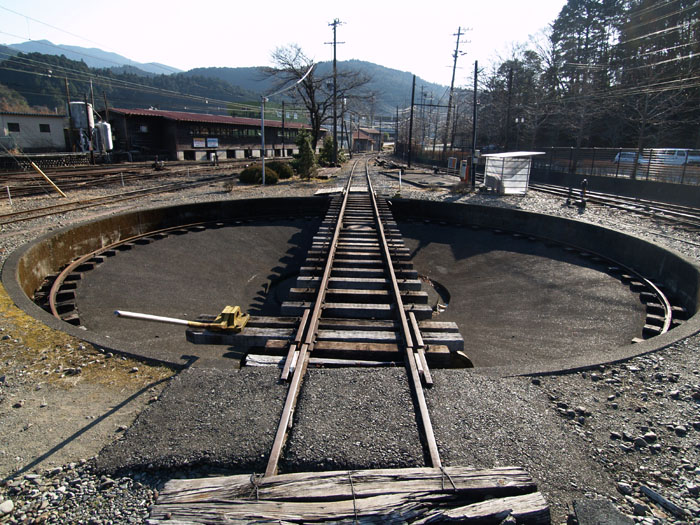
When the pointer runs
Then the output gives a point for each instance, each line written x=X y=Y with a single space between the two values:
x=305 y=161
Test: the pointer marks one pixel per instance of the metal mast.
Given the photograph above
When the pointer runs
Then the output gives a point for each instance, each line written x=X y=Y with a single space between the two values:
x=452 y=88
x=335 y=23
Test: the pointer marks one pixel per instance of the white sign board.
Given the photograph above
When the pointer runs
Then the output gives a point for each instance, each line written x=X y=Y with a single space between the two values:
x=463 y=169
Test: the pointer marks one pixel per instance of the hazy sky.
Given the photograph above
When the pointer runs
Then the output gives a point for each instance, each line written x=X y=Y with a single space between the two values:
x=409 y=36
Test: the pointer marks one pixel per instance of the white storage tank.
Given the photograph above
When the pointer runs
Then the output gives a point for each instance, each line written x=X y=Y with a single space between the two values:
x=81 y=118
x=104 y=133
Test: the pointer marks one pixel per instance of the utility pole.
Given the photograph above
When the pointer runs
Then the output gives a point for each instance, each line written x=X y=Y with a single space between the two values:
x=510 y=98
x=452 y=87
x=472 y=173
x=70 y=117
x=422 y=118
x=104 y=95
x=410 y=125
x=335 y=23
x=284 y=153
x=396 y=139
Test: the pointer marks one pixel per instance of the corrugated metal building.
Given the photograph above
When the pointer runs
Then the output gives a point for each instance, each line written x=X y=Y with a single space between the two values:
x=178 y=135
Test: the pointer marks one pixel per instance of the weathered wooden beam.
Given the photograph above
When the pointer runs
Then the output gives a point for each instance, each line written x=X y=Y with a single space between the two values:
x=509 y=480
x=427 y=495
x=246 y=338
x=527 y=508
x=324 y=362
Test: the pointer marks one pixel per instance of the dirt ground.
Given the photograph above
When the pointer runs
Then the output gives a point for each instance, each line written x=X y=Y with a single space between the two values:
x=62 y=400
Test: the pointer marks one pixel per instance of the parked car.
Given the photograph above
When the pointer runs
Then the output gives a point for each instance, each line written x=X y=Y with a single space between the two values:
x=676 y=156
x=627 y=157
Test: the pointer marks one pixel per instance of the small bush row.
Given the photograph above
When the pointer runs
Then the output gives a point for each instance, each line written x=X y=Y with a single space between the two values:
x=274 y=171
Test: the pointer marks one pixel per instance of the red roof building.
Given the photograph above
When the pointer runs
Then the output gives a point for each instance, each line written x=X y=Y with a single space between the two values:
x=180 y=135
x=366 y=139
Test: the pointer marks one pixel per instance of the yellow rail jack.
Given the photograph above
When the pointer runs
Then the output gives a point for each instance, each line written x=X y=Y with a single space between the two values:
x=230 y=319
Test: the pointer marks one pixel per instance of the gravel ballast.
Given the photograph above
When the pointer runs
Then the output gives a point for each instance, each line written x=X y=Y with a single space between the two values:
x=624 y=432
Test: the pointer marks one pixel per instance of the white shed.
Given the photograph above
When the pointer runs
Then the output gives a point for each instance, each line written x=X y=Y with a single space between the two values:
x=509 y=173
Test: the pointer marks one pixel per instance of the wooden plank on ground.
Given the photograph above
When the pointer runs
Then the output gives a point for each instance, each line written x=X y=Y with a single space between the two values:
x=337 y=484
x=417 y=495
x=280 y=361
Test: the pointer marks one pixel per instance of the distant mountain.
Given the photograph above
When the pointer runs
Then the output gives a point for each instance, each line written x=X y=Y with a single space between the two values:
x=249 y=78
x=7 y=52
x=387 y=89
x=390 y=87
x=27 y=75
x=92 y=56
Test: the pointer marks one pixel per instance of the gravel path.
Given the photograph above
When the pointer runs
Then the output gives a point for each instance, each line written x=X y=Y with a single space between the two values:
x=619 y=433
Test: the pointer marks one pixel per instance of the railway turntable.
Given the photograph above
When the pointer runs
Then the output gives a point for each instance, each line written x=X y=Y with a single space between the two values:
x=357 y=255
x=341 y=384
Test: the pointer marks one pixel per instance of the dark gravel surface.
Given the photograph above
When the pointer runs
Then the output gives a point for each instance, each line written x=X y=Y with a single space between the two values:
x=354 y=419
x=485 y=422
x=218 y=418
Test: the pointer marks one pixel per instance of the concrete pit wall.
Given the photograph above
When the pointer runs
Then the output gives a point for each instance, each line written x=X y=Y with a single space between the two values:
x=678 y=276
x=25 y=270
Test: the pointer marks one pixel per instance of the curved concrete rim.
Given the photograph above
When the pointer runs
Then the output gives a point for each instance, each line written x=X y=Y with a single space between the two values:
x=678 y=274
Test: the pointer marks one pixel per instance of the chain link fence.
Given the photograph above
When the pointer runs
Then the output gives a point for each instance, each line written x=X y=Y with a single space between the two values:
x=677 y=166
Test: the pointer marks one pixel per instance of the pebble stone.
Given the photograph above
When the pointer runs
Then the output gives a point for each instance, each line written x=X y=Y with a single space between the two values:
x=6 y=507
x=650 y=399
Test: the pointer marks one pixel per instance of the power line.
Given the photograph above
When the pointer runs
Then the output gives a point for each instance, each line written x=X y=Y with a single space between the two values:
x=68 y=33
x=114 y=82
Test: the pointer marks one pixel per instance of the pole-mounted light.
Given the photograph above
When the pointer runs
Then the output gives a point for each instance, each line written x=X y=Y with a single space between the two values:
x=264 y=99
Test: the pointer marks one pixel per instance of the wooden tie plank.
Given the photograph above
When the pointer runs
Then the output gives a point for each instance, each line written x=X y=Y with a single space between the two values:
x=505 y=480
x=356 y=310
x=372 y=283
x=260 y=360
x=362 y=496
x=349 y=294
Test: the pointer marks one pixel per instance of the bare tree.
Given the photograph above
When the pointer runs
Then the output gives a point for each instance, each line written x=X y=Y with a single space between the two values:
x=315 y=92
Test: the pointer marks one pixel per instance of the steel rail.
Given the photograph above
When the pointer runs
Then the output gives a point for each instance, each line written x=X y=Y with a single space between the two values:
x=410 y=355
x=658 y=210
x=48 y=211
x=70 y=268
x=302 y=358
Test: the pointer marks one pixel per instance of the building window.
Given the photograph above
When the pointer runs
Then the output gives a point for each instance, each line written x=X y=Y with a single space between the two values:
x=13 y=126
x=143 y=128
x=44 y=128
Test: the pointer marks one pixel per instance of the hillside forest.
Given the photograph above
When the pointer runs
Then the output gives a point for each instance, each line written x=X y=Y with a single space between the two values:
x=606 y=73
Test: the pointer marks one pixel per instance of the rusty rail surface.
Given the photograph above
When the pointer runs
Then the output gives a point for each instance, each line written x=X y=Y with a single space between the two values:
x=302 y=355
x=304 y=341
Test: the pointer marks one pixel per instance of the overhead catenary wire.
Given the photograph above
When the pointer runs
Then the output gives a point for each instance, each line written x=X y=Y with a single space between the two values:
x=71 y=34
x=80 y=76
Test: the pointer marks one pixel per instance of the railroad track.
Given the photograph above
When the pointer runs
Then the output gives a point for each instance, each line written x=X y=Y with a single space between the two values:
x=28 y=183
x=357 y=303
x=80 y=204
x=685 y=216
